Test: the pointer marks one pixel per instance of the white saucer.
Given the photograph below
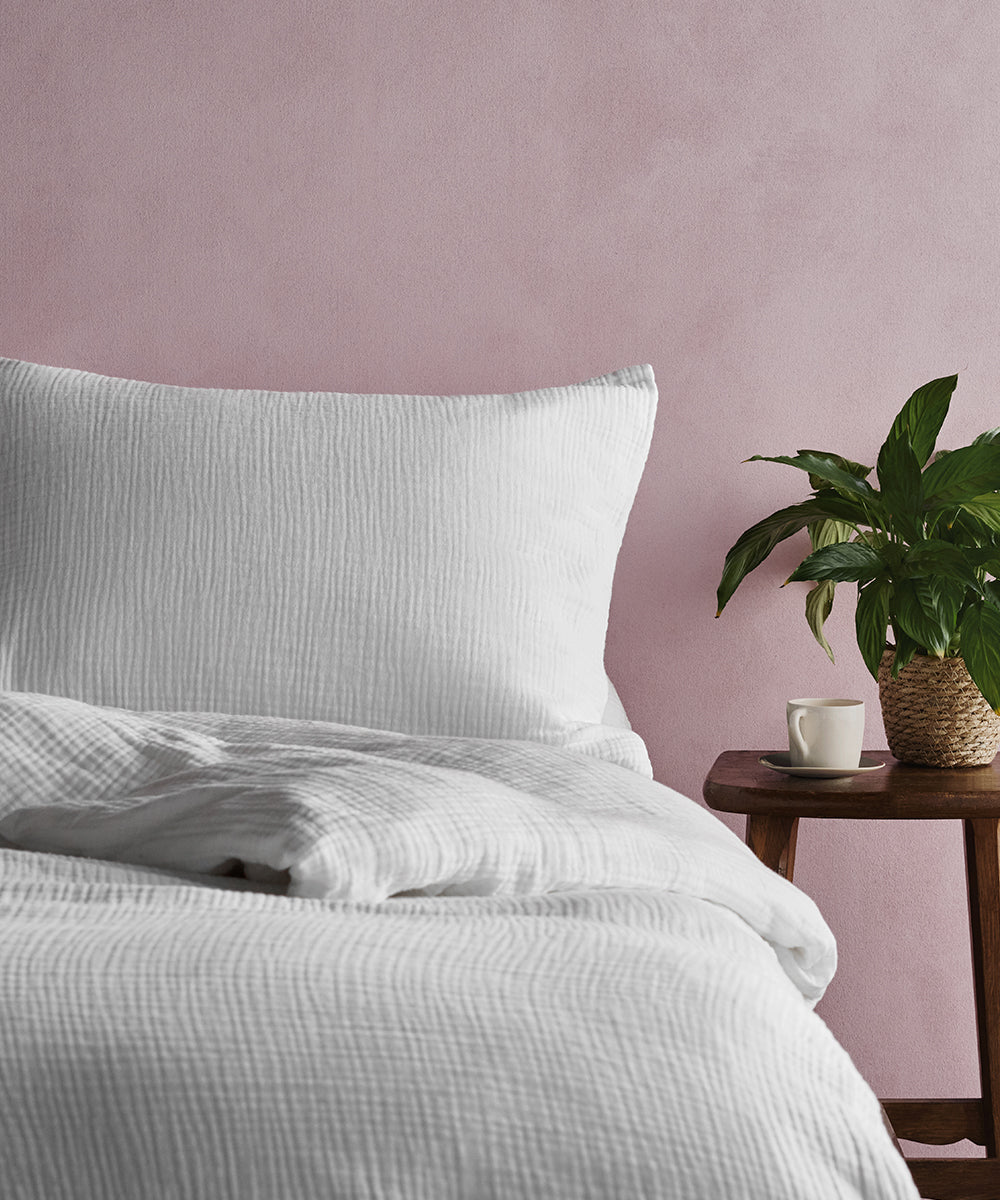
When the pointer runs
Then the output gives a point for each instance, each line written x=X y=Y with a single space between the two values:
x=782 y=762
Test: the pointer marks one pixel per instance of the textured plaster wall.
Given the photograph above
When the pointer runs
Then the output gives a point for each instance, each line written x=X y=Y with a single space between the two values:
x=790 y=210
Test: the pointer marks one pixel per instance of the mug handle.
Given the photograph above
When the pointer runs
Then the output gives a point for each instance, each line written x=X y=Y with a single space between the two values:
x=795 y=731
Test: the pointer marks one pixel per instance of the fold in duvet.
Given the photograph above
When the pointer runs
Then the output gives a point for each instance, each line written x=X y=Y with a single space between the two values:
x=248 y=957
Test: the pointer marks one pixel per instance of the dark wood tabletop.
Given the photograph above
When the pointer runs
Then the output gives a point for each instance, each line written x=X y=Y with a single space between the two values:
x=740 y=783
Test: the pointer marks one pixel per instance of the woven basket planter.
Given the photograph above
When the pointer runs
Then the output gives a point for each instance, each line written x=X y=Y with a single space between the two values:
x=934 y=715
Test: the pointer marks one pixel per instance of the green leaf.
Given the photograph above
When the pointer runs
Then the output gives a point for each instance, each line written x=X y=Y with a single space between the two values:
x=858 y=470
x=871 y=620
x=985 y=508
x=844 y=562
x=930 y=554
x=825 y=467
x=828 y=532
x=981 y=650
x=927 y=610
x=986 y=558
x=967 y=531
x=943 y=560
x=900 y=481
x=962 y=475
x=819 y=599
x=906 y=648
x=920 y=419
x=819 y=604
x=991 y=435
x=851 y=509
x=875 y=538
x=757 y=542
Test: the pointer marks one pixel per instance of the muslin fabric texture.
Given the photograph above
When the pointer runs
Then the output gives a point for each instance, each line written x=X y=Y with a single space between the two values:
x=428 y=564
x=608 y=997
x=357 y=814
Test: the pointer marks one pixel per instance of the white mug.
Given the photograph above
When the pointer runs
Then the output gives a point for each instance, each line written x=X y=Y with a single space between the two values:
x=825 y=733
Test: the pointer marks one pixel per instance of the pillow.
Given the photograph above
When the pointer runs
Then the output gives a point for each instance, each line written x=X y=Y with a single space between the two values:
x=614 y=714
x=426 y=564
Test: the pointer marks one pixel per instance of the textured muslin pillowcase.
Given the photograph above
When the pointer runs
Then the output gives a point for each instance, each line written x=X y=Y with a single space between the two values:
x=428 y=564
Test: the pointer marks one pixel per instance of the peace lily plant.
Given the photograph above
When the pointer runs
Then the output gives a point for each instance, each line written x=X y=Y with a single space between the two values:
x=923 y=546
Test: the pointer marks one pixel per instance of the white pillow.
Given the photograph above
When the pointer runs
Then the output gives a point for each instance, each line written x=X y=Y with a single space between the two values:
x=428 y=564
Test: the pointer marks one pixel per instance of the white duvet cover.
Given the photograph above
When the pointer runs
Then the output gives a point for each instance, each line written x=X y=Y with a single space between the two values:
x=307 y=961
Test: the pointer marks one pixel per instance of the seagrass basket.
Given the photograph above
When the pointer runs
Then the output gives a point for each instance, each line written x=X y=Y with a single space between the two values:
x=934 y=715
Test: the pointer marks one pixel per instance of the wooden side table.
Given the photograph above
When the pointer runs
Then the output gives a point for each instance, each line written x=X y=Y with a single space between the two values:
x=739 y=783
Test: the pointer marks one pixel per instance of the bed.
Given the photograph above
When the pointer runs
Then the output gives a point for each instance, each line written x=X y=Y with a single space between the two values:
x=329 y=864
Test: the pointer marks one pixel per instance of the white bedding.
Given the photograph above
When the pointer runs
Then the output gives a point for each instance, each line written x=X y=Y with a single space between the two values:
x=433 y=564
x=591 y=989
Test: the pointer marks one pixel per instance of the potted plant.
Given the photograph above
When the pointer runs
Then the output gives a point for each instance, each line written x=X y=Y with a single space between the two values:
x=923 y=548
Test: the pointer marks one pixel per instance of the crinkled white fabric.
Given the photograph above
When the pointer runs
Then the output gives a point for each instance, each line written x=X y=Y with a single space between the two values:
x=362 y=815
x=432 y=564
x=607 y=1022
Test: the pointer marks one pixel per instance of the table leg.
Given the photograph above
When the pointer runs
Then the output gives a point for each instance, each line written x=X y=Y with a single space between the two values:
x=772 y=839
x=982 y=864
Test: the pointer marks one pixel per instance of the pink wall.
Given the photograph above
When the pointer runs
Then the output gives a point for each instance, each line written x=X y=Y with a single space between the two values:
x=791 y=211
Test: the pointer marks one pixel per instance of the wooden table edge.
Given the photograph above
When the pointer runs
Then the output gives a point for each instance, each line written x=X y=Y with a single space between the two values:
x=739 y=783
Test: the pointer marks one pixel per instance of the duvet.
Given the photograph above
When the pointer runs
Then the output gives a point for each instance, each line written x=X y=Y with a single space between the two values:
x=247 y=959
